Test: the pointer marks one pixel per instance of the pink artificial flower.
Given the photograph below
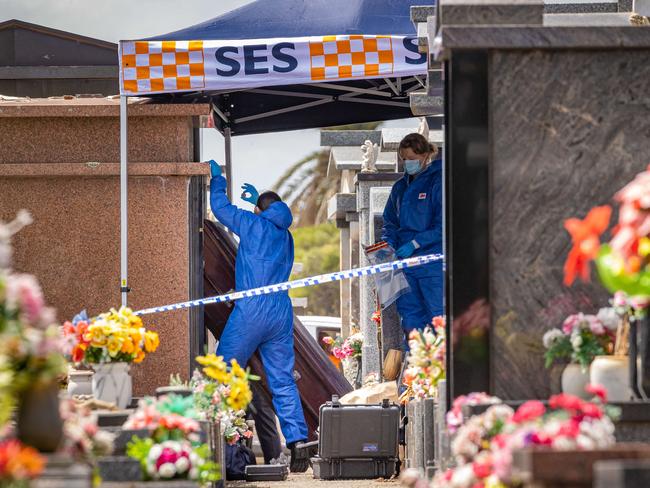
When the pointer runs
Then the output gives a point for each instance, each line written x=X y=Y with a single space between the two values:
x=595 y=325
x=591 y=410
x=168 y=455
x=570 y=323
x=530 y=410
x=328 y=340
x=639 y=302
x=620 y=299
x=565 y=401
x=597 y=390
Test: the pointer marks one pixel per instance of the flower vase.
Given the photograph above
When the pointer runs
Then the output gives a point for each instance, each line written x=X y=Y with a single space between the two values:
x=612 y=373
x=575 y=380
x=112 y=383
x=352 y=371
x=80 y=382
x=39 y=423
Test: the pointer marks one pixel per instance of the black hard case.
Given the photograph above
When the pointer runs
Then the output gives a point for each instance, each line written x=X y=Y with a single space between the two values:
x=332 y=469
x=267 y=472
x=358 y=431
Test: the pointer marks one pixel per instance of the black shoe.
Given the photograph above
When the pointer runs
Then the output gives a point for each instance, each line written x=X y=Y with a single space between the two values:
x=300 y=455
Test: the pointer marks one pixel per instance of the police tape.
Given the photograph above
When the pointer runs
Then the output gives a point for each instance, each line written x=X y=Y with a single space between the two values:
x=301 y=283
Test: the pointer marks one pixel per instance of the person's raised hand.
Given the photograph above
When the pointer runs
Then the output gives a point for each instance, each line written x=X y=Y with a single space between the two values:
x=250 y=193
x=215 y=169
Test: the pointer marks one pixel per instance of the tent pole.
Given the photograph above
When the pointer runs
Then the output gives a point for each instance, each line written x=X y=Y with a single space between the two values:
x=123 y=201
x=228 y=149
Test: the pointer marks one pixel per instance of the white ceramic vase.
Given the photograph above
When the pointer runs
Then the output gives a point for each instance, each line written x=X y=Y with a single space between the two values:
x=575 y=380
x=112 y=383
x=80 y=382
x=612 y=373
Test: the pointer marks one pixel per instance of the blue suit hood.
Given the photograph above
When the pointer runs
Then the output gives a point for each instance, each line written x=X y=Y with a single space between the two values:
x=278 y=213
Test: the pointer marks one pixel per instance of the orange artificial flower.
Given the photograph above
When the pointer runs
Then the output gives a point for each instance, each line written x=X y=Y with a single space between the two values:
x=585 y=235
x=139 y=356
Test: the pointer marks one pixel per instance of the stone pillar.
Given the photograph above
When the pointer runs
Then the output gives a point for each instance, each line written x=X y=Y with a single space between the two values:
x=355 y=292
x=371 y=358
x=345 y=263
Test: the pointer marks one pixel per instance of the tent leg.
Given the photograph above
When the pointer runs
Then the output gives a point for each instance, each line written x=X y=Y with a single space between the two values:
x=123 y=201
x=228 y=149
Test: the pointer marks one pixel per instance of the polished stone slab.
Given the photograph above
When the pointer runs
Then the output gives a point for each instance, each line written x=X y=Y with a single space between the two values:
x=565 y=136
x=540 y=37
x=577 y=19
x=424 y=104
x=491 y=12
x=621 y=474
x=348 y=137
x=582 y=7
x=340 y=204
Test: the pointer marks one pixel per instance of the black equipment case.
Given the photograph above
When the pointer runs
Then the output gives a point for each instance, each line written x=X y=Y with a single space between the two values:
x=357 y=441
x=267 y=472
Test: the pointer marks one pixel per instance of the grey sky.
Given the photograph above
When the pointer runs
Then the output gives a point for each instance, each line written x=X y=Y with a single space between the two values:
x=258 y=159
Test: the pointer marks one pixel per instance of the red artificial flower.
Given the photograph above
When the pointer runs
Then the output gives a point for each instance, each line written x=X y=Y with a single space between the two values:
x=82 y=328
x=566 y=402
x=570 y=429
x=376 y=317
x=78 y=353
x=540 y=439
x=478 y=484
x=585 y=235
x=530 y=410
x=598 y=390
x=482 y=470
x=591 y=410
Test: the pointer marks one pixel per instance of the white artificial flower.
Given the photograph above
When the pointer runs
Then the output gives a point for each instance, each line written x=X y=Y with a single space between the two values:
x=155 y=452
x=563 y=443
x=576 y=341
x=609 y=318
x=194 y=474
x=585 y=442
x=495 y=414
x=182 y=464
x=167 y=470
x=551 y=336
x=463 y=477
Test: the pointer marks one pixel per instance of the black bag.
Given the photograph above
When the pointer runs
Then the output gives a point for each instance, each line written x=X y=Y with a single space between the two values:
x=238 y=456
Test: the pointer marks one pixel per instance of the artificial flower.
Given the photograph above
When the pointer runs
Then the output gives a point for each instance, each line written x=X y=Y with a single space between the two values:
x=585 y=235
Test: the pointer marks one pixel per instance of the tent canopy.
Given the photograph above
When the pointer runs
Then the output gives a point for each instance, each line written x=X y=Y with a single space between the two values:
x=289 y=101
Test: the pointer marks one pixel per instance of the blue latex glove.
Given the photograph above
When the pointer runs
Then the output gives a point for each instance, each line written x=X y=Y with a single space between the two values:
x=215 y=169
x=250 y=193
x=406 y=250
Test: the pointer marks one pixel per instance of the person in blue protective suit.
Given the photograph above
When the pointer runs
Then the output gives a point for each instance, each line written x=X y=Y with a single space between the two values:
x=264 y=257
x=413 y=227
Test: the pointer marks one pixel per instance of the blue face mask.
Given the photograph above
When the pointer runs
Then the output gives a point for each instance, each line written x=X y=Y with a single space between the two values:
x=412 y=166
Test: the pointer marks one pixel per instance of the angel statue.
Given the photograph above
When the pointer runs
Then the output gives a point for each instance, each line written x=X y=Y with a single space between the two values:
x=370 y=152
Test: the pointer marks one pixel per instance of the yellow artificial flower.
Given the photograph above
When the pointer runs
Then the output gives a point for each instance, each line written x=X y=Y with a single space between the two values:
x=136 y=335
x=240 y=394
x=114 y=345
x=97 y=337
x=151 y=341
x=237 y=371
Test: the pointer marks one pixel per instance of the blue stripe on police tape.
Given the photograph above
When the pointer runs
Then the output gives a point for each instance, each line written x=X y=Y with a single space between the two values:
x=301 y=283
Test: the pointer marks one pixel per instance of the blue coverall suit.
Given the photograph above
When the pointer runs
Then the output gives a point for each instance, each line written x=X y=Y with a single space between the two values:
x=414 y=212
x=265 y=257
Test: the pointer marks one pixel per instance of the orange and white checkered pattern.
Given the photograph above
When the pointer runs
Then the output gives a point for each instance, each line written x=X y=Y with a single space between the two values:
x=155 y=66
x=353 y=56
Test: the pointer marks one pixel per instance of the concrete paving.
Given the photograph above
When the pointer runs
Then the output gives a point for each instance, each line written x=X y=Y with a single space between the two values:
x=296 y=480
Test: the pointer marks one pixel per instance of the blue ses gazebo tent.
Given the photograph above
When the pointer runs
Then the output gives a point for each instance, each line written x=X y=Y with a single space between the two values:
x=277 y=65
